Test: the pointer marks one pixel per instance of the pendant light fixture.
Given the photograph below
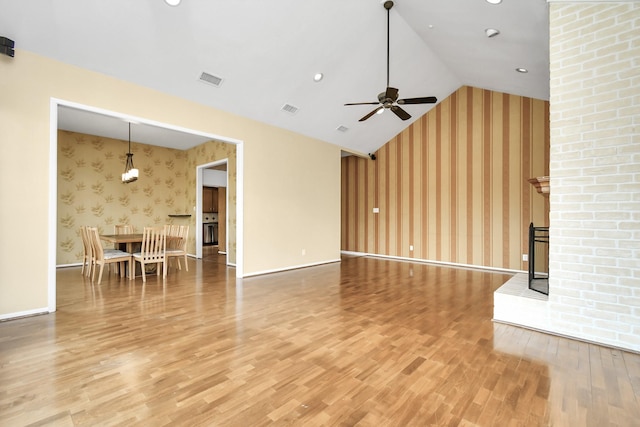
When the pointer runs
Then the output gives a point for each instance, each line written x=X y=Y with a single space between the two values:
x=130 y=172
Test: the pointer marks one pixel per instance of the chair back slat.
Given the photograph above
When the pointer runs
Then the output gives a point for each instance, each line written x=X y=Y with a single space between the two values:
x=153 y=244
x=86 y=244
x=177 y=237
x=123 y=229
x=97 y=252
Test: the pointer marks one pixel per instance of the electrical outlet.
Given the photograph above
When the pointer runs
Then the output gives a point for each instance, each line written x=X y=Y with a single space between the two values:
x=411 y=247
x=525 y=257
x=376 y=210
x=304 y=252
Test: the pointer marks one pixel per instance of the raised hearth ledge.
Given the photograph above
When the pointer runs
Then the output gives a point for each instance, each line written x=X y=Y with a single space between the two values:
x=516 y=304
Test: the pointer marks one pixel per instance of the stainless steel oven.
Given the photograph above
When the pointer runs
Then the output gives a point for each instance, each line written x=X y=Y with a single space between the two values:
x=210 y=229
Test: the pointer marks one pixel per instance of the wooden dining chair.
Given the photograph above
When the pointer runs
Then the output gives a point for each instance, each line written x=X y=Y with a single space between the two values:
x=87 y=257
x=177 y=244
x=102 y=257
x=122 y=229
x=152 y=250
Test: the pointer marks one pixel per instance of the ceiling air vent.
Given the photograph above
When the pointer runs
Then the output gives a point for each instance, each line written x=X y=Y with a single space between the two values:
x=211 y=79
x=342 y=128
x=289 y=108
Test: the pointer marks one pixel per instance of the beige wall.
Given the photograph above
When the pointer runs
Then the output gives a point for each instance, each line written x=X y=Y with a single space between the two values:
x=454 y=184
x=28 y=84
x=301 y=186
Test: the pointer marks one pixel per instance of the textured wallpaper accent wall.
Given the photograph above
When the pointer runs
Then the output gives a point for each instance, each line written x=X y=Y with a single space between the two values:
x=90 y=190
x=453 y=184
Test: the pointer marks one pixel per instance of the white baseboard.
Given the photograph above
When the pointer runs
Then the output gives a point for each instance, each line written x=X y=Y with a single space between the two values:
x=293 y=267
x=27 y=313
x=427 y=261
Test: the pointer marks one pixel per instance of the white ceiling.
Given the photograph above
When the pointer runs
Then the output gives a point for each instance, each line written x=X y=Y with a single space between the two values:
x=268 y=51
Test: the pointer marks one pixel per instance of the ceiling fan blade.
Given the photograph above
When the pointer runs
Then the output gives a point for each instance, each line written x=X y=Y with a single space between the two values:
x=363 y=103
x=391 y=93
x=423 y=100
x=371 y=114
x=400 y=112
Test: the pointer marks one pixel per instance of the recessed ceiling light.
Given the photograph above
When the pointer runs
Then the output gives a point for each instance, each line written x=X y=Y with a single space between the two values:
x=172 y=2
x=491 y=32
x=494 y=1
x=522 y=70
x=317 y=77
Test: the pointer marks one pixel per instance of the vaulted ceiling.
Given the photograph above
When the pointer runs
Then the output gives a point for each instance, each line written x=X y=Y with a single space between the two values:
x=267 y=52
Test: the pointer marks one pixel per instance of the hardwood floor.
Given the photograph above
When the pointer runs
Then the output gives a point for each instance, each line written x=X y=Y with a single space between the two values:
x=368 y=342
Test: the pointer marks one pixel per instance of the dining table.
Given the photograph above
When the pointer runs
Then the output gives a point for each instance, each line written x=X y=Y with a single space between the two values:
x=129 y=241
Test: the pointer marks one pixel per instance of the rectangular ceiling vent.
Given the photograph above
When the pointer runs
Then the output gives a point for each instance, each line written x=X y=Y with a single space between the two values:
x=211 y=79
x=289 y=108
x=342 y=128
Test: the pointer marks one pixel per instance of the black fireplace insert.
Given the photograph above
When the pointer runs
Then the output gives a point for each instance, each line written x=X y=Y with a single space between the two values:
x=539 y=259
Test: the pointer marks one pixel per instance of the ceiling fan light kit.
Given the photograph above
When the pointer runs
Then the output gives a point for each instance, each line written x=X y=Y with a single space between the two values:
x=389 y=98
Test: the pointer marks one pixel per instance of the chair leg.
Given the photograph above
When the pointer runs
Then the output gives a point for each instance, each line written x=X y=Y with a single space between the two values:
x=186 y=266
x=100 y=275
x=144 y=276
x=89 y=268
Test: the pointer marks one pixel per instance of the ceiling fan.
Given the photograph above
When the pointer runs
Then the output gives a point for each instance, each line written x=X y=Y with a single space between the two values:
x=389 y=98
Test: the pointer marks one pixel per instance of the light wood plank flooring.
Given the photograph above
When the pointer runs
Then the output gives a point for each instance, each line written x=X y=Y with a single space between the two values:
x=368 y=342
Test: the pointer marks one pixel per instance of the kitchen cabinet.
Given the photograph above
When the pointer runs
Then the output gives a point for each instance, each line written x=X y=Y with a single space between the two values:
x=209 y=199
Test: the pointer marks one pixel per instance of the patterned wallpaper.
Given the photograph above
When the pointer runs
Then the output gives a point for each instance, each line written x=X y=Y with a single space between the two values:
x=453 y=184
x=90 y=190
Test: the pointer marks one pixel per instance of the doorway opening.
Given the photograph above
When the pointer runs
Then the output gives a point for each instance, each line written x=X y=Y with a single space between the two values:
x=213 y=208
x=56 y=106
